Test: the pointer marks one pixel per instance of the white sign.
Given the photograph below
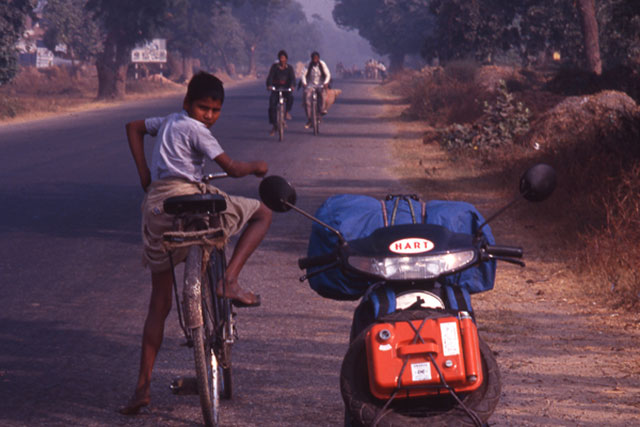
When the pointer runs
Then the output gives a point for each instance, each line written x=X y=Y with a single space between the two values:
x=450 y=343
x=421 y=371
x=412 y=245
x=152 y=51
x=44 y=57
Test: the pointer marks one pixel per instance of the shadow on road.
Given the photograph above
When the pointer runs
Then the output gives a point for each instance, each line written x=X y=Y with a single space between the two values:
x=49 y=371
x=73 y=210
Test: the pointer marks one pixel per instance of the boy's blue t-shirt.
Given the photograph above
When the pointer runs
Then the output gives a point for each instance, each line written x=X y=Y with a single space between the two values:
x=182 y=145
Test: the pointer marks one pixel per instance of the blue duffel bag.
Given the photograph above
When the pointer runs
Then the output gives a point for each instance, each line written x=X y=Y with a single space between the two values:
x=357 y=216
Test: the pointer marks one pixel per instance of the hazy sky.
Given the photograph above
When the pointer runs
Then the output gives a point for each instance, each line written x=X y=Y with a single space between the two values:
x=339 y=45
x=321 y=7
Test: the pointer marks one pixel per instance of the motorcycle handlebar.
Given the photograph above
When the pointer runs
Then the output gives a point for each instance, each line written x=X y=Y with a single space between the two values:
x=506 y=251
x=316 y=261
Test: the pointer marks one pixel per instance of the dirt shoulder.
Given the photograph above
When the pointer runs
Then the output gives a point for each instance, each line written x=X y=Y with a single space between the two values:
x=46 y=100
x=565 y=357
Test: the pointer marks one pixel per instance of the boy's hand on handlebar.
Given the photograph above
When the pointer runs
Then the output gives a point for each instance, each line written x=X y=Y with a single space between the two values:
x=261 y=168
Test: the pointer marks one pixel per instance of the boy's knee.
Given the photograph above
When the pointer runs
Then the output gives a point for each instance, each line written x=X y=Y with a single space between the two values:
x=263 y=213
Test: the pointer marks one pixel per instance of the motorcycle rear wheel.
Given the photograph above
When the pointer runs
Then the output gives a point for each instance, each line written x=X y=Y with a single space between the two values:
x=436 y=411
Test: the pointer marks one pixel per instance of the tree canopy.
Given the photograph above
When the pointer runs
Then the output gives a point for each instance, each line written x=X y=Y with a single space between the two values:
x=392 y=27
x=490 y=30
x=68 y=22
x=12 y=18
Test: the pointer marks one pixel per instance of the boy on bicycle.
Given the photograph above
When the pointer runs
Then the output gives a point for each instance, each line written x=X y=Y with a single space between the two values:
x=183 y=142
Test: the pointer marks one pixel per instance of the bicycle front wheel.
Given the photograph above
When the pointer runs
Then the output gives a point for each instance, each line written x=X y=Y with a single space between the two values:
x=223 y=317
x=315 y=117
x=206 y=363
x=281 y=116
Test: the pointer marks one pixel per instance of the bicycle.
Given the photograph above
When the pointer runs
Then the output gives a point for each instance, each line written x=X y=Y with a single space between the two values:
x=281 y=112
x=209 y=320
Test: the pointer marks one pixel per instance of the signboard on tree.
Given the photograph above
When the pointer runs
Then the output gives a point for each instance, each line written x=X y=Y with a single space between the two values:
x=152 y=51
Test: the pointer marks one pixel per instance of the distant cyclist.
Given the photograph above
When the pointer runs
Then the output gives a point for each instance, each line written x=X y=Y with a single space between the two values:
x=315 y=77
x=281 y=76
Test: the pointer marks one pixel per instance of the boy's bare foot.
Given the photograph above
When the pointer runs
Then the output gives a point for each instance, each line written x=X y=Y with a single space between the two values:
x=238 y=296
x=134 y=405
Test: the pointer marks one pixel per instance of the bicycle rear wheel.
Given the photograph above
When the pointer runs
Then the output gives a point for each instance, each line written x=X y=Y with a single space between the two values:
x=206 y=362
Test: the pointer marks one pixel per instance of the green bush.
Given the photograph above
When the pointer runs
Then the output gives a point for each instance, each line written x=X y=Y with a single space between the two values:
x=502 y=121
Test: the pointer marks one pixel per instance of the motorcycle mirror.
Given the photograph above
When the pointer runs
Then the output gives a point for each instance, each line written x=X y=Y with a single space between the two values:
x=280 y=196
x=277 y=193
x=538 y=182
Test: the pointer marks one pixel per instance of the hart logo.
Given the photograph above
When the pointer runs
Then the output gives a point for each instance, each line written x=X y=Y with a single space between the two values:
x=412 y=245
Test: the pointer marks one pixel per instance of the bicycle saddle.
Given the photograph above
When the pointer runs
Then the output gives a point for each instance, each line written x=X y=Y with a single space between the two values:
x=195 y=204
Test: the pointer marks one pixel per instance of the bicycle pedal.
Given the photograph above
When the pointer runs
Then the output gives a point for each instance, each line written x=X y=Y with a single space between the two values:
x=184 y=386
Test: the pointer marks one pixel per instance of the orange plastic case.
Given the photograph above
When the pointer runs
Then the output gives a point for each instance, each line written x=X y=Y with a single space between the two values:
x=452 y=341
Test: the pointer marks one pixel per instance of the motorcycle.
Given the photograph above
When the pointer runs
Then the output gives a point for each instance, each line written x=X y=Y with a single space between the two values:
x=415 y=356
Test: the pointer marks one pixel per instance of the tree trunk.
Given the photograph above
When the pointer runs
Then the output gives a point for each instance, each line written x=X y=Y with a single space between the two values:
x=396 y=62
x=187 y=66
x=112 y=70
x=253 y=69
x=174 y=63
x=228 y=66
x=589 y=23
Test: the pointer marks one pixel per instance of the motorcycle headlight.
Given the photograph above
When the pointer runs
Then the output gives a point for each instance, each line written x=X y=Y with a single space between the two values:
x=413 y=267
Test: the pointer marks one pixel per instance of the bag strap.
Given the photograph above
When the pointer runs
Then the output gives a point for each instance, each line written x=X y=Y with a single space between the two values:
x=383 y=301
x=458 y=299
x=396 y=202
x=385 y=219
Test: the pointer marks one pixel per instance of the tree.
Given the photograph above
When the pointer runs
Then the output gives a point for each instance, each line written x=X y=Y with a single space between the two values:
x=125 y=24
x=189 y=28
x=226 y=44
x=392 y=27
x=289 y=30
x=256 y=17
x=487 y=29
x=587 y=9
x=12 y=18
x=619 y=32
x=68 y=22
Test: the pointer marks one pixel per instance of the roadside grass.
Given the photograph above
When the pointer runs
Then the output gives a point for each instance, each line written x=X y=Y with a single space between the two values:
x=596 y=209
x=36 y=93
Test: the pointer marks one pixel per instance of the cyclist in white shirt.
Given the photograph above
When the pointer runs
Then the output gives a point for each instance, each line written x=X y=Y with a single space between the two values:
x=315 y=77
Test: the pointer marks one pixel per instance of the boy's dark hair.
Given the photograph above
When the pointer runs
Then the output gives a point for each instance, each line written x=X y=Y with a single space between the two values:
x=205 y=85
x=283 y=52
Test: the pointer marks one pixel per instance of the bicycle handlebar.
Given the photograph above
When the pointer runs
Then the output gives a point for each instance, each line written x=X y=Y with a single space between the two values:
x=274 y=89
x=213 y=176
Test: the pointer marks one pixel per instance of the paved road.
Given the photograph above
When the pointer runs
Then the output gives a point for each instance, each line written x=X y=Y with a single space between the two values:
x=73 y=294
